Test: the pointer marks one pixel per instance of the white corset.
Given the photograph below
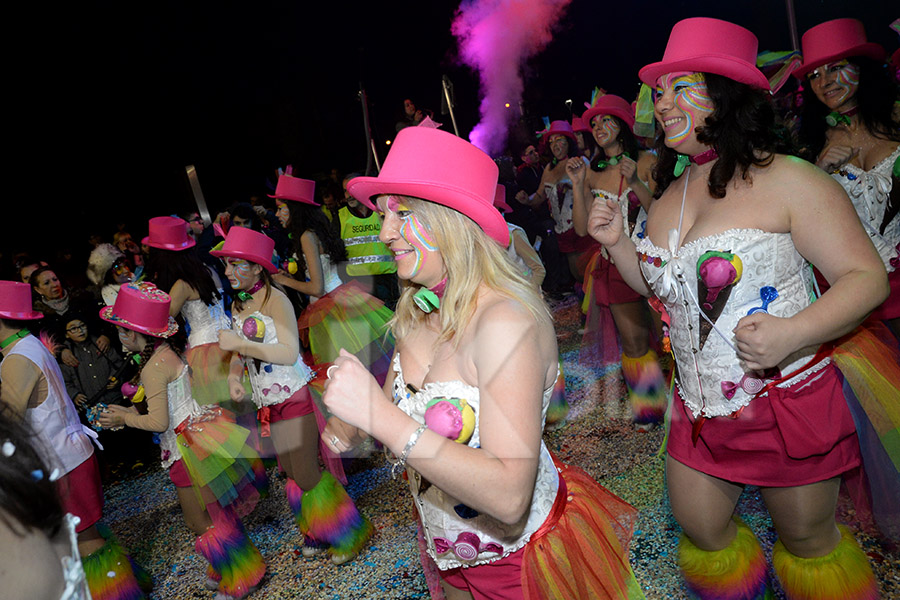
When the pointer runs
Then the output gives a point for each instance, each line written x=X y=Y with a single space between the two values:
x=205 y=321
x=869 y=192
x=271 y=383
x=331 y=280
x=181 y=406
x=711 y=378
x=562 y=215
x=452 y=540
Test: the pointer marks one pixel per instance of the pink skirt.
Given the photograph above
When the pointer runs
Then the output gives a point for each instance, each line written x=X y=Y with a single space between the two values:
x=792 y=436
x=81 y=493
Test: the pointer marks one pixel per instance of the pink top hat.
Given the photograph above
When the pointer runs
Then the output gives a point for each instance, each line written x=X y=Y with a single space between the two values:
x=610 y=104
x=709 y=45
x=579 y=124
x=250 y=245
x=15 y=301
x=142 y=307
x=296 y=189
x=437 y=166
x=168 y=233
x=558 y=128
x=500 y=199
x=835 y=40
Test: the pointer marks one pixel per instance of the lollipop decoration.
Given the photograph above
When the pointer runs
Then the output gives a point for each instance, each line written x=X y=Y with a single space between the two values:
x=453 y=418
x=767 y=294
x=254 y=329
x=718 y=270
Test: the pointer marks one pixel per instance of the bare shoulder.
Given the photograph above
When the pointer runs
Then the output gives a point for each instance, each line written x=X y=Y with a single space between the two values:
x=501 y=321
x=796 y=180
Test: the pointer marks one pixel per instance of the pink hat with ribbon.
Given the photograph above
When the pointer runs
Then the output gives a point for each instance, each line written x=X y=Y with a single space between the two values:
x=579 y=124
x=835 y=40
x=556 y=128
x=437 y=166
x=15 y=302
x=608 y=104
x=168 y=233
x=500 y=199
x=142 y=307
x=296 y=189
x=709 y=45
x=249 y=245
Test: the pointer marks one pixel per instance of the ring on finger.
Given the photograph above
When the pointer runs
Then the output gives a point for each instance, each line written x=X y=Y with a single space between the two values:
x=334 y=440
x=328 y=371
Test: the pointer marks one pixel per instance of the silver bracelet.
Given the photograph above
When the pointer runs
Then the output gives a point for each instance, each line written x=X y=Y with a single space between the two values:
x=401 y=462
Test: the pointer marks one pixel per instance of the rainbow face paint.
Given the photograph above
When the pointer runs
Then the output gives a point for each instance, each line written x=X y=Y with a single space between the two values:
x=604 y=129
x=692 y=99
x=845 y=77
x=239 y=273
x=414 y=232
x=283 y=213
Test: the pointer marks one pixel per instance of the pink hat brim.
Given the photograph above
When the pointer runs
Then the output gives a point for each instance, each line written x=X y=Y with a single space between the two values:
x=627 y=116
x=718 y=64
x=30 y=315
x=189 y=243
x=871 y=50
x=106 y=313
x=303 y=200
x=365 y=189
x=248 y=256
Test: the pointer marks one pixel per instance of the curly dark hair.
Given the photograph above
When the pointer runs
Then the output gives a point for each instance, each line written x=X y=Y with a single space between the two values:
x=165 y=267
x=875 y=99
x=743 y=129
x=625 y=138
x=307 y=217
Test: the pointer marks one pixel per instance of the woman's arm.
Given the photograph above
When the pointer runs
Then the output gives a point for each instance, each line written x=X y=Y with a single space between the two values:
x=629 y=170
x=538 y=197
x=155 y=378
x=180 y=293
x=581 y=194
x=309 y=244
x=826 y=230
x=530 y=256
x=605 y=226
x=283 y=352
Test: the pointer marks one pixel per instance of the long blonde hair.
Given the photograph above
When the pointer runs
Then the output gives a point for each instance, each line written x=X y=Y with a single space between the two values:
x=471 y=258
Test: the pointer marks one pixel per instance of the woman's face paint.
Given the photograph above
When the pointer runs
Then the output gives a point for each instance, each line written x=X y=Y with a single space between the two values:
x=835 y=83
x=283 y=213
x=605 y=129
x=414 y=232
x=682 y=103
x=240 y=273
x=559 y=146
x=128 y=339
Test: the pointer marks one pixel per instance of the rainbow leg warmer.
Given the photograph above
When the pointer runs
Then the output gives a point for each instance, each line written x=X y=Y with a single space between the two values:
x=737 y=572
x=232 y=557
x=329 y=517
x=558 y=409
x=646 y=388
x=842 y=574
x=110 y=572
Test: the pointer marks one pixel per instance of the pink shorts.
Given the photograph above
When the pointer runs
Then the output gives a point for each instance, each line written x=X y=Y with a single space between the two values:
x=81 y=493
x=792 y=436
x=299 y=404
x=179 y=475
x=498 y=580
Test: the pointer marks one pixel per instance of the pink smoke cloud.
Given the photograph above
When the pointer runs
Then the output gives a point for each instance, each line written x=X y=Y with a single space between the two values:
x=495 y=38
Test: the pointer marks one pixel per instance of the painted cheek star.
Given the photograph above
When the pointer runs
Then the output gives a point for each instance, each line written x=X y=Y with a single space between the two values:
x=692 y=99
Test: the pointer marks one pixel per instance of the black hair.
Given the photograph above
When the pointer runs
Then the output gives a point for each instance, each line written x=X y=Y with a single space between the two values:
x=742 y=128
x=625 y=138
x=306 y=217
x=875 y=99
x=165 y=267
x=246 y=212
x=26 y=499
x=571 y=151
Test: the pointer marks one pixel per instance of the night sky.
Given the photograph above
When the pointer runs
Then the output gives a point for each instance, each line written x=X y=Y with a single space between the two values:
x=112 y=100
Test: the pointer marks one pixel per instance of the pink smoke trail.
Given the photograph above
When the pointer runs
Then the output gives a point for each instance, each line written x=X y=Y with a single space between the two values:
x=495 y=38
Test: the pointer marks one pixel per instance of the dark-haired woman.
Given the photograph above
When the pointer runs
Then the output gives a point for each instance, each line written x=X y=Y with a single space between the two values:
x=215 y=473
x=849 y=129
x=196 y=295
x=758 y=399
x=613 y=175
x=266 y=345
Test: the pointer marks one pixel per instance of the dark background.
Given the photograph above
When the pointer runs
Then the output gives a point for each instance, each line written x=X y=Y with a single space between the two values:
x=111 y=100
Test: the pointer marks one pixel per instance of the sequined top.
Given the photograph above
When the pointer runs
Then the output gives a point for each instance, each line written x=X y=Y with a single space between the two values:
x=706 y=291
x=455 y=534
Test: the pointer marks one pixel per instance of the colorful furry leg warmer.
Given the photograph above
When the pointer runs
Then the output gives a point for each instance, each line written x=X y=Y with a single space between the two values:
x=842 y=574
x=737 y=572
x=646 y=388
x=328 y=517
x=558 y=409
x=111 y=574
x=232 y=556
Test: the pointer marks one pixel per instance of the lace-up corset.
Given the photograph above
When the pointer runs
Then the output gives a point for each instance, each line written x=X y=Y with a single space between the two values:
x=455 y=534
x=725 y=277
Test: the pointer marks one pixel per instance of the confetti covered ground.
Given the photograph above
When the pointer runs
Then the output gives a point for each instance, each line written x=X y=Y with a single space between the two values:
x=143 y=510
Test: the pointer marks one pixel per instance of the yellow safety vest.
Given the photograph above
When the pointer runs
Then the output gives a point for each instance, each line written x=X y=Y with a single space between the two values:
x=366 y=254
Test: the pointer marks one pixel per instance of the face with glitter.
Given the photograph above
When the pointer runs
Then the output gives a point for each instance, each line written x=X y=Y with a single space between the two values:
x=681 y=105
x=605 y=129
x=415 y=251
x=559 y=147
x=835 y=84
x=283 y=213
x=241 y=274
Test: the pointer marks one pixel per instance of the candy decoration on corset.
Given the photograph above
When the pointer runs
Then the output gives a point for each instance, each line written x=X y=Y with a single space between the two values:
x=254 y=329
x=717 y=273
x=452 y=418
